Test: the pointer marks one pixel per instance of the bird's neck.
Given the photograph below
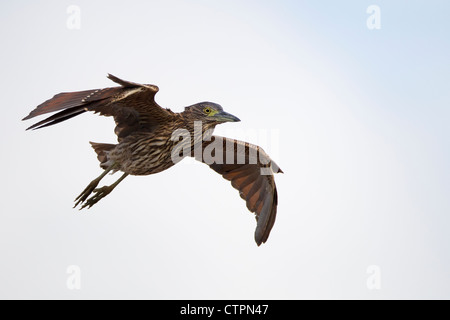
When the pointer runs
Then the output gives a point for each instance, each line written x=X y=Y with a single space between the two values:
x=190 y=134
x=198 y=129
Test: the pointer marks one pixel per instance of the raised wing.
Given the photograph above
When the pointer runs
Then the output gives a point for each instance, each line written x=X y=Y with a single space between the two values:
x=250 y=171
x=132 y=105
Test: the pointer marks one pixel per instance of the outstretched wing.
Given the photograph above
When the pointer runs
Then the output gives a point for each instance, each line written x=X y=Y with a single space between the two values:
x=132 y=105
x=250 y=171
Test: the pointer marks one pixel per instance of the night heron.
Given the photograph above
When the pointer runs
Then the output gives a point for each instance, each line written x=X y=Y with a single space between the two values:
x=152 y=139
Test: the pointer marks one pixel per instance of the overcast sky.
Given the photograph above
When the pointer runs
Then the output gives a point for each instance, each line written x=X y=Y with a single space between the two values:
x=353 y=104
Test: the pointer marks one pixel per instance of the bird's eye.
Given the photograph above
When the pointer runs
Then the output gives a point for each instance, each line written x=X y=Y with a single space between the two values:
x=207 y=110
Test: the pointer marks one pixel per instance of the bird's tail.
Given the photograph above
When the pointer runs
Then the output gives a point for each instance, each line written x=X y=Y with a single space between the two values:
x=102 y=150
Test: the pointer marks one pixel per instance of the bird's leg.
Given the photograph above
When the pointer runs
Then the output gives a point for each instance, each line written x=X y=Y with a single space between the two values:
x=102 y=192
x=91 y=187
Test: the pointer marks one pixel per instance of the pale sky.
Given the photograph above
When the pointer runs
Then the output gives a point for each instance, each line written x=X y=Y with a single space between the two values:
x=356 y=118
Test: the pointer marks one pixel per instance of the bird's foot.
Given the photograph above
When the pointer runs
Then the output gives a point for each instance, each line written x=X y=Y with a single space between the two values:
x=99 y=194
x=86 y=192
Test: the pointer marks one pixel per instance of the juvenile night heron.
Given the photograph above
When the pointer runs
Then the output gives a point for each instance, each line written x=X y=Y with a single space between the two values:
x=149 y=142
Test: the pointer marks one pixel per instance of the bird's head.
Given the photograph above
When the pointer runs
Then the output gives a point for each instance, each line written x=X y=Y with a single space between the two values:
x=210 y=113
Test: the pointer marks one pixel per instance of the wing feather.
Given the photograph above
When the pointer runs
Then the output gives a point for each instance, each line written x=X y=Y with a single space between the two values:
x=257 y=189
x=132 y=105
x=61 y=101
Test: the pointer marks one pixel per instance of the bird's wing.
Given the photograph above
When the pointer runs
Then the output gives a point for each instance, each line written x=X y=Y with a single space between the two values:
x=132 y=105
x=250 y=171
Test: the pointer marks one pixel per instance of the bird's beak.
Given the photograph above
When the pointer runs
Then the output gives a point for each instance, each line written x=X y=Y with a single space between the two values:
x=223 y=116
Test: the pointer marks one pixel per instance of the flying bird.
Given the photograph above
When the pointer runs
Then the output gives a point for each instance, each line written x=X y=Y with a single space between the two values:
x=152 y=139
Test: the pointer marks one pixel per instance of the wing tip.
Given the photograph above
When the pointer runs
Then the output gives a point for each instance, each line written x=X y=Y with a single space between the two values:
x=129 y=84
x=264 y=226
x=32 y=127
x=261 y=238
x=114 y=78
x=123 y=83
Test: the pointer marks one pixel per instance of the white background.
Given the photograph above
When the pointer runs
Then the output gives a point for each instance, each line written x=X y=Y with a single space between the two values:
x=358 y=119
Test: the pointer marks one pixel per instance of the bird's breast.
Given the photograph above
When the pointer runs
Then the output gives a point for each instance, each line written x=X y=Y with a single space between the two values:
x=143 y=155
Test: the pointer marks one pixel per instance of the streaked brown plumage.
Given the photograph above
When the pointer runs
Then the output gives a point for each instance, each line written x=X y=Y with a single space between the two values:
x=148 y=144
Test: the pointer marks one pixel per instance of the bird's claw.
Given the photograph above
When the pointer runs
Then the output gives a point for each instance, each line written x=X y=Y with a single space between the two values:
x=99 y=194
x=86 y=192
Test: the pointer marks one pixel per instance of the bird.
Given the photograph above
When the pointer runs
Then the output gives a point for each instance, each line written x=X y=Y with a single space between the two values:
x=152 y=139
